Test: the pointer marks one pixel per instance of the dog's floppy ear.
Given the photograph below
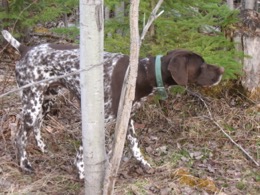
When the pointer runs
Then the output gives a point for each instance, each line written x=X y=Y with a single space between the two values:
x=178 y=68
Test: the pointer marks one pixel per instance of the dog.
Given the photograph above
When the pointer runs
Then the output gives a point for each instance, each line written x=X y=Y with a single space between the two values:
x=177 y=67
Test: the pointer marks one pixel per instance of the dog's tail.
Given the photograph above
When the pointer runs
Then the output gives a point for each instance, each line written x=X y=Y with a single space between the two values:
x=10 y=39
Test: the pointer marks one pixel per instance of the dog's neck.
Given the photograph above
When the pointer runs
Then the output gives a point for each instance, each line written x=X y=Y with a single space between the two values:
x=166 y=75
x=146 y=79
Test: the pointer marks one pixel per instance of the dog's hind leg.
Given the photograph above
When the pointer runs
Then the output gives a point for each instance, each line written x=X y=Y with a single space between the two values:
x=80 y=163
x=21 y=142
x=49 y=101
x=37 y=118
x=32 y=120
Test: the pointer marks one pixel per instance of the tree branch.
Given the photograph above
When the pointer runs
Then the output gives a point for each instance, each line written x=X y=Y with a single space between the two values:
x=152 y=17
x=125 y=104
x=127 y=96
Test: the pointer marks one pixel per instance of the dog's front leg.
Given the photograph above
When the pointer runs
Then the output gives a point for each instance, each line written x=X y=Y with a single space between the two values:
x=134 y=145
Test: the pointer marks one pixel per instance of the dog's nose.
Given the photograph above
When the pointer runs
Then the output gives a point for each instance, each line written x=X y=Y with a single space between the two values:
x=221 y=70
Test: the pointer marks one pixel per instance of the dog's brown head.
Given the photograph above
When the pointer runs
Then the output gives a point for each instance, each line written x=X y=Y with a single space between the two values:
x=188 y=67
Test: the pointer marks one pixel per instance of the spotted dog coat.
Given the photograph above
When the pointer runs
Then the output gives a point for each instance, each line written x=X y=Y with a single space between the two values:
x=50 y=60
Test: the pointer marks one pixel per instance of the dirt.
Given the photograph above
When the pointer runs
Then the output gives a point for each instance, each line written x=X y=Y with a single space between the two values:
x=182 y=138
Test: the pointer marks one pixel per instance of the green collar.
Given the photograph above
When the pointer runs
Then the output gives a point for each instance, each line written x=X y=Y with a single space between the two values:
x=158 y=74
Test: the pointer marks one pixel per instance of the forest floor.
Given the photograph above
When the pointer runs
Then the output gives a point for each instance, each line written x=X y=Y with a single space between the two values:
x=182 y=138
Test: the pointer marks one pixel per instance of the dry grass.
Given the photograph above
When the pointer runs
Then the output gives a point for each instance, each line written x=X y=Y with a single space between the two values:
x=189 y=153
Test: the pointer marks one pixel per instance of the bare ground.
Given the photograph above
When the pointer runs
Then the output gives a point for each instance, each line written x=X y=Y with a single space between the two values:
x=188 y=152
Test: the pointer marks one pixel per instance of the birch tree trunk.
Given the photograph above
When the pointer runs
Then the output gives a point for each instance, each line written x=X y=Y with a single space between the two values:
x=126 y=100
x=250 y=4
x=230 y=4
x=92 y=94
x=106 y=13
x=247 y=37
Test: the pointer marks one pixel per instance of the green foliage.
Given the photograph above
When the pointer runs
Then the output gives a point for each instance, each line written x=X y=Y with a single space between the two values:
x=257 y=177
x=177 y=89
x=114 y=44
x=112 y=3
x=70 y=32
x=195 y=25
x=240 y=185
x=27 y=14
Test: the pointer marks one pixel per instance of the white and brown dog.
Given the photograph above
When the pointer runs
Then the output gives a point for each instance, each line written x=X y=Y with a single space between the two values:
x=178 y=67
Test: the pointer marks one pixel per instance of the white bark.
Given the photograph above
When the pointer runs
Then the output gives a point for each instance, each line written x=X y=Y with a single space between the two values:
x=92 y=94
x=247 y=39
x=250 y=4
x=251 y=80
x=230 y=4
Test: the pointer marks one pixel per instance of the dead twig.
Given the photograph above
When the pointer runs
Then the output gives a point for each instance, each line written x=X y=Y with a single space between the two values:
x=222 y=130
x=2 y=50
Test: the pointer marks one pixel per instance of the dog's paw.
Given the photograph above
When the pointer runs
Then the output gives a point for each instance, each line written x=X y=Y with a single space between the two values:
x=26 y=166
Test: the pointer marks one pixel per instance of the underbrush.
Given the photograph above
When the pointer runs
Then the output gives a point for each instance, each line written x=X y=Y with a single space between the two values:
x=181 y=138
